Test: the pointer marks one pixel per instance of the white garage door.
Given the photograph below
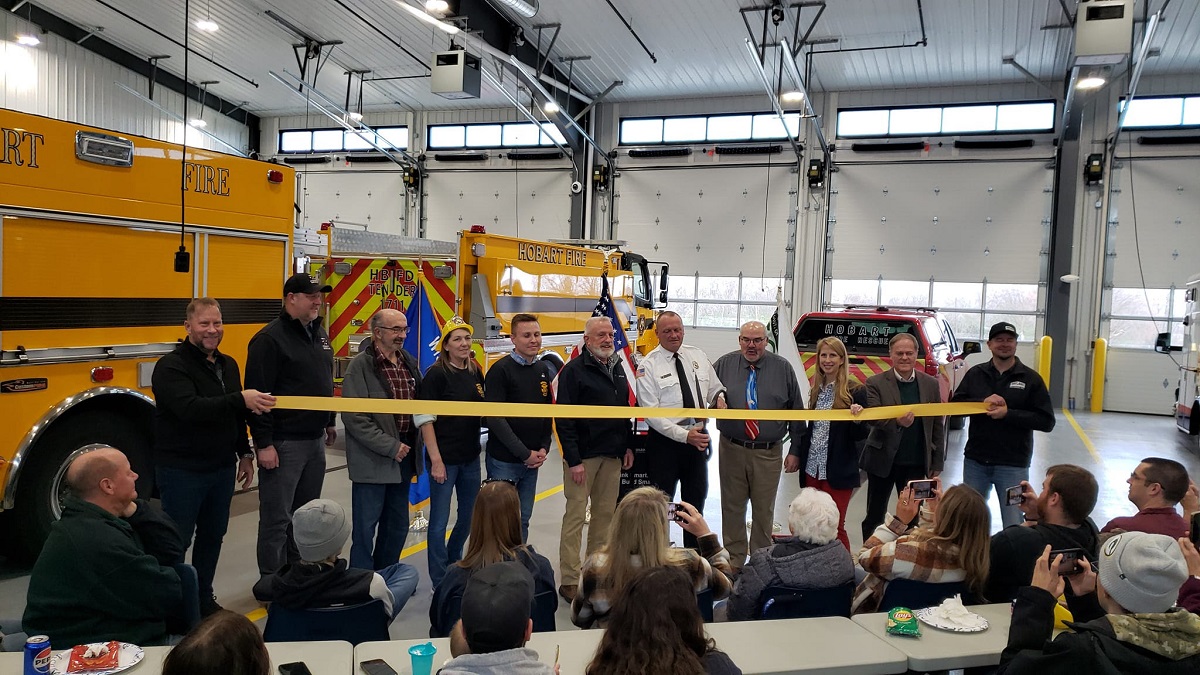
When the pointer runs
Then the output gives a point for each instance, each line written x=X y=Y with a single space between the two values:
x=529 y=203
x=377 y=199
x=969 y=237
x=1152 y=251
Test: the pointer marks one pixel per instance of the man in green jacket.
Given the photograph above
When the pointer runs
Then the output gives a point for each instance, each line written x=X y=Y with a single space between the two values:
x=105 y=572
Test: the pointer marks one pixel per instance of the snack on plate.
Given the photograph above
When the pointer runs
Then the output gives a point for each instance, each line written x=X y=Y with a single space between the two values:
x=952 y=613
x=901 y=621
x=93 y=657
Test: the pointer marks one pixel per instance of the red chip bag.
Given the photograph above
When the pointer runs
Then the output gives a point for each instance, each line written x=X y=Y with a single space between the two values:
x=80 y=663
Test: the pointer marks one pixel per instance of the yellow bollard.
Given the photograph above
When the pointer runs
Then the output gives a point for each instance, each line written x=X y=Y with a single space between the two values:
x=1099 y=363
x=1044 y=350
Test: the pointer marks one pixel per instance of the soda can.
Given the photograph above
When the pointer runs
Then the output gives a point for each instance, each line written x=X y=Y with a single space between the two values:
x=37 y=655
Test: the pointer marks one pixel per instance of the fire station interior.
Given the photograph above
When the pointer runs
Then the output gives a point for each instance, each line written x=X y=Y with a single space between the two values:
x=1031 y=161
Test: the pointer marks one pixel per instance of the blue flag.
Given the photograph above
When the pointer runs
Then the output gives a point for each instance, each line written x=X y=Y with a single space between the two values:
x=424 y=332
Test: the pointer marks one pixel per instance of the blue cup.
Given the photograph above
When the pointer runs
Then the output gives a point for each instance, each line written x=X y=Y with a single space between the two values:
x=422 y=658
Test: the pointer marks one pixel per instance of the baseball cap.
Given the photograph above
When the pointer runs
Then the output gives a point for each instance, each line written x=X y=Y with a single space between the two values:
x=452 y=325
x=496 y=606
x=303 y=283
x=1142 y=572
x=320 y=529
x=1001 y=328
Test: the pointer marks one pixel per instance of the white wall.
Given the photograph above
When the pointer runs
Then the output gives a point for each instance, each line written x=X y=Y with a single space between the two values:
x=62 y=80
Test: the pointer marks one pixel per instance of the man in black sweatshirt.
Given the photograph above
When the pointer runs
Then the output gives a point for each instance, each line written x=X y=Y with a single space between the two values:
x=200 y=445
x=1000 y=442
x=290 y=356
x=517 y=446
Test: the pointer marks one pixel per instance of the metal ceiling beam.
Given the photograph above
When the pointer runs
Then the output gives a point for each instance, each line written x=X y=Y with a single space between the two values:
x=1012 y=61
x=802 y=86
x=766 y=82
x=487 y=75
x=558 y=118
x=178 y=118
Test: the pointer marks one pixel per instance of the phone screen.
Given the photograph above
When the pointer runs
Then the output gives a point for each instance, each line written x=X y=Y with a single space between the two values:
x=1013 y=495
x=922 y=489
x=1196 y=529
x=294 y=668
x=377 y=667
x=673 y=512
x=1070 y=561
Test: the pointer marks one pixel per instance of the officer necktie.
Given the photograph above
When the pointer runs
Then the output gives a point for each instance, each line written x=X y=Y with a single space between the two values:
x=752 y=402
x=688 y=400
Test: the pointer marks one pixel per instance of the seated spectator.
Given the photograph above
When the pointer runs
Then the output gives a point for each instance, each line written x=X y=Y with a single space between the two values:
x=225 y=643
x=812 y=557
x=321 y=578
x=638 y=539
x=950 y=544
x=1124 y=621
x=106 y=570
x=1189 y=595
x=1060 y=517
x=1155 y=487
x=496 y=624
x=495 y=537
x=658 y=629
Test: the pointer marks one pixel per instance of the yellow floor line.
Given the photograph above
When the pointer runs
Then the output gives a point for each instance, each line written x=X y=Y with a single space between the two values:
x=1087 y=442
x=261 y=612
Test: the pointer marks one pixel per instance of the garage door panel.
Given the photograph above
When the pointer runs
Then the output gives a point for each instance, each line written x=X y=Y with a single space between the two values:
x=1140 y=382
x=1165 y=191
x=528 y=204
x=377 y=199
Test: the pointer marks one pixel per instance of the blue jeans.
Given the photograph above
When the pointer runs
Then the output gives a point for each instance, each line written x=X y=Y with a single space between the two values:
x=983 y=477
x=526 y=480
x=380 y=518
x=402 y=581
x=465 y=479
x=198 y=502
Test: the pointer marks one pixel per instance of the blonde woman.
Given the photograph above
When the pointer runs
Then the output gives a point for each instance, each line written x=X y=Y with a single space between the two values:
x=638 y=540
x=952 y=543
x=828 y=454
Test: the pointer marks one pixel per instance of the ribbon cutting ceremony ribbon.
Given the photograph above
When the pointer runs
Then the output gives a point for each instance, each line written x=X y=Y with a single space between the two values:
x=463 y=409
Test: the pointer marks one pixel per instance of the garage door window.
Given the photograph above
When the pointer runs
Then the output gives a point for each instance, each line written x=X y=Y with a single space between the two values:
x=722 y=302
x=1138 y=316
x=969 y=307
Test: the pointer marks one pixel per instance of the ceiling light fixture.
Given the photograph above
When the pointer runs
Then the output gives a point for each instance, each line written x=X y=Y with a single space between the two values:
x=198 y=122
x=207 y=24
x=1090 y=82
x=431 y=20
x=792 y=96
x=356 y=116
x=550 y=107
x=524 y=8
x=439 y=7
x=28 y=40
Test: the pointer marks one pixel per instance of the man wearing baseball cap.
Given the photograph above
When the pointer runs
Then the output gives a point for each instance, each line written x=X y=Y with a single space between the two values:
x=1000 y=441
x=1125 y=618
x=290 y=356
x=495 y=625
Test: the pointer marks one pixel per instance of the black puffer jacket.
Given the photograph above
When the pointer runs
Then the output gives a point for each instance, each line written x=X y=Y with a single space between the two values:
x=584 y=380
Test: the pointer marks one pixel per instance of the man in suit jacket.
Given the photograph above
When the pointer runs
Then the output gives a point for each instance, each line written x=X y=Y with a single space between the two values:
x=908 y=447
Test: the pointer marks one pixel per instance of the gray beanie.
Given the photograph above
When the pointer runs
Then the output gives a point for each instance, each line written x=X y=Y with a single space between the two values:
x=1142 y=572
x=320 y=528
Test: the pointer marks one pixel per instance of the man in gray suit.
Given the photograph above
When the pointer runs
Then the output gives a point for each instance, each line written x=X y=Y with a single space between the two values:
x=908 y=447
x=381 y=451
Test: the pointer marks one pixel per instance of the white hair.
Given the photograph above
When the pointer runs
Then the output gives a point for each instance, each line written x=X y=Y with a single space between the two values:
x=596 y=320
x=813 y=517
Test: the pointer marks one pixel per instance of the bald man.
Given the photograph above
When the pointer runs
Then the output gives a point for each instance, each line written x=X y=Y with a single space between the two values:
x=106 y=572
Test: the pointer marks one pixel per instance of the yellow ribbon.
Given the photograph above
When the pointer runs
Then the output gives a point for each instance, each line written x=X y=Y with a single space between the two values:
x=459 y=408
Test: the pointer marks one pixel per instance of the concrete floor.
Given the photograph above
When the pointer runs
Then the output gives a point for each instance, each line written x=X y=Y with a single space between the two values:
x=1110 y=445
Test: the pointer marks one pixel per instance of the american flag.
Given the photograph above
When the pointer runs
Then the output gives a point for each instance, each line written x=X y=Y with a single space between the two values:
x=604 y=307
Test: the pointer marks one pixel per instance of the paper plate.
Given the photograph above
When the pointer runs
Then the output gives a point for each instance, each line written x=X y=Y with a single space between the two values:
x=929 y=617
x=128 y=656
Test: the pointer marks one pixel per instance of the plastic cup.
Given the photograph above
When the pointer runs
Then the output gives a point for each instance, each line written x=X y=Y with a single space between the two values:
x=422 y=658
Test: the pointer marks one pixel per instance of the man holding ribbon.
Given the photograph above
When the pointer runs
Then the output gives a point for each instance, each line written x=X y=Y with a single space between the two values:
x=675 y=375
x=750 y=451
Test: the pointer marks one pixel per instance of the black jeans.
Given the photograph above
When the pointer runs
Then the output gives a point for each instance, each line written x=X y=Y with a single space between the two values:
x=198 y=502
x=879 y=493
x=670 y=465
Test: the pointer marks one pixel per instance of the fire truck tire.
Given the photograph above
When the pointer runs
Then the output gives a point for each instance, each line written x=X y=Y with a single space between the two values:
x=42 y=484
x=957 y=422
x=554 y=358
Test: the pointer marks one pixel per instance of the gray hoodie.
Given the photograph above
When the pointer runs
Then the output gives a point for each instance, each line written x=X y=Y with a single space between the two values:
x=520 y=661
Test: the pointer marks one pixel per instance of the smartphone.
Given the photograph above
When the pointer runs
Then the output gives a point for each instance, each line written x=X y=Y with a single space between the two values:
x=673 y=509
x=376 y=667
x=294 y=668
x=1196 y=529
x=1014 y=495
x=922 y=489
x=1069 y=564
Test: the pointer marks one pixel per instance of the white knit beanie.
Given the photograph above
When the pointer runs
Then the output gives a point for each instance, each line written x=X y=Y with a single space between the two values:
x=1142 y=572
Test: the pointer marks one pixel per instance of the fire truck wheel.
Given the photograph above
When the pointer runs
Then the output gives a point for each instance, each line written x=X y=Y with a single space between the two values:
x=957 y=422
x=42 y=485
x=554 y=358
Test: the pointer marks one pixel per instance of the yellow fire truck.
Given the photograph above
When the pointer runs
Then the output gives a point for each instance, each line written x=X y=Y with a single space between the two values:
x=486 y=279
x=89 y=299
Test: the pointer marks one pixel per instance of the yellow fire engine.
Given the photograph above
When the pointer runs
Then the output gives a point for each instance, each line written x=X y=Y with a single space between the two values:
x=89 y=299
x=486 y=279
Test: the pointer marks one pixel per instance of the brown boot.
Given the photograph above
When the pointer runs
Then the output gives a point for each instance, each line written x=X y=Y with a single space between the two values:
x=568 y=592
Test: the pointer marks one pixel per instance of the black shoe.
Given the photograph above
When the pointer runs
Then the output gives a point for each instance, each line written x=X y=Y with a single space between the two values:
x=209 y=606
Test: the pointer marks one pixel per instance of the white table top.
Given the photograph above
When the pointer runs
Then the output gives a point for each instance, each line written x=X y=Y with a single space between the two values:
x=829 y=645
x=322 y=658
x=943 y=650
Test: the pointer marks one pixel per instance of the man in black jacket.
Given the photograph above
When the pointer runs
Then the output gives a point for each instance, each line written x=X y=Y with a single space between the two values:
x=200 y=440
x=1000 y=441
x=594 y=451
x=290 y=356
x=1059 y=518
x=1124 y=620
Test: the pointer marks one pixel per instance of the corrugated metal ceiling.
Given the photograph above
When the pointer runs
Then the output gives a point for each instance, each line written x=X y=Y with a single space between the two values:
x=699 y=45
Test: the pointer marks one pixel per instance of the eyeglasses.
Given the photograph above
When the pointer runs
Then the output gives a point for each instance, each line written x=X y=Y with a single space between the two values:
x=510 y=481
x=397 y=329
x=751 y=341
